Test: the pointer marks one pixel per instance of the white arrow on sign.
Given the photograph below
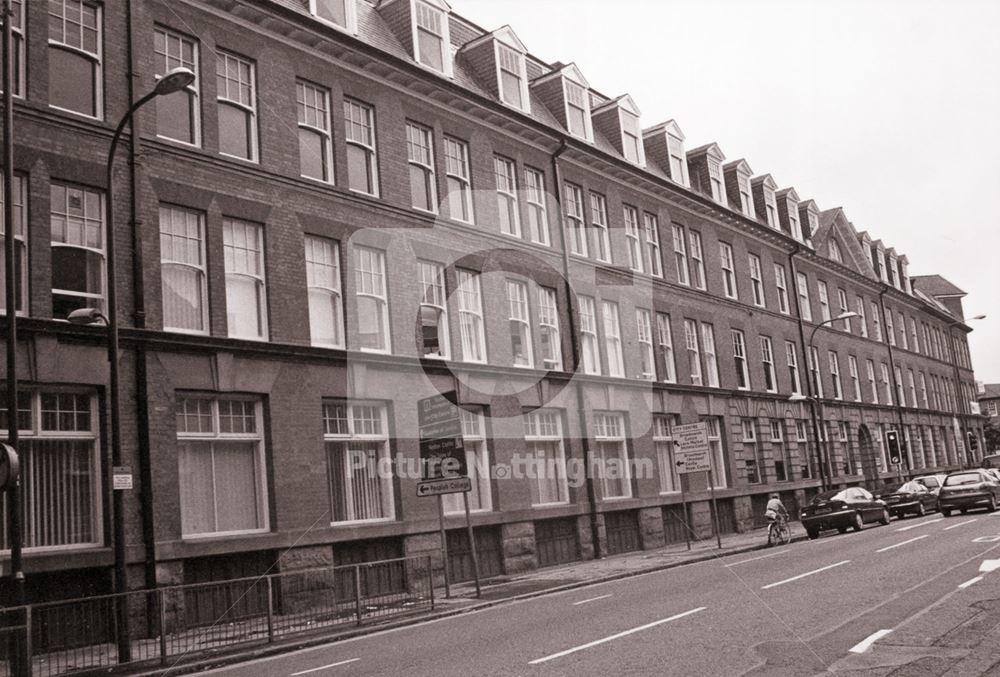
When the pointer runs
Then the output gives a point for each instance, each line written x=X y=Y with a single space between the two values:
x=989 y=565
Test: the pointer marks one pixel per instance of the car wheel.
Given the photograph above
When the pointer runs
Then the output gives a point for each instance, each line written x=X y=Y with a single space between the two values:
x=946 y=512
x=921 y=511
x=813 y=534
x=885 y=517
x=859 y=522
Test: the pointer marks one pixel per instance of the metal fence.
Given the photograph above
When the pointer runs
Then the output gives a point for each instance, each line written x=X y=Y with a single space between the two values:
x=178 y=623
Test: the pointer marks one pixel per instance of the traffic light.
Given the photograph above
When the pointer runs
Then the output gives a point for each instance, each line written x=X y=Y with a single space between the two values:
x=895 y=451
x=973 y=441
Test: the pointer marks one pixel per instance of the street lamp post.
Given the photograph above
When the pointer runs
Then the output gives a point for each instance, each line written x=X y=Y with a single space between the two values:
x=958 y=389
x=173 y=81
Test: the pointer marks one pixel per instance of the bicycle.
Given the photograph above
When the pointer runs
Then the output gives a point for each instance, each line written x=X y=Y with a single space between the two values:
x=778 y=531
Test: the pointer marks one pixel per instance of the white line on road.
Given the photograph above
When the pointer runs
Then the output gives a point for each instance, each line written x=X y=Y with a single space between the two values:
x=960 y=524
x=921 y=524
x=324 y=667
x=867 y=642
x=808 y=573
x=754 y=559
x=592 y=599
x=617 y=636
x=970 y=582
x=896 y=545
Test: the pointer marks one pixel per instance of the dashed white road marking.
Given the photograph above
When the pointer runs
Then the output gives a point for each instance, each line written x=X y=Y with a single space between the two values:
x=808 y=573
x=953 y=526
x=971 y=581
x=592 y=599
x=867 y=642
x=896 y=545
x=324 y=667
x=754 y=559
x=921 y=524
x=616 y=636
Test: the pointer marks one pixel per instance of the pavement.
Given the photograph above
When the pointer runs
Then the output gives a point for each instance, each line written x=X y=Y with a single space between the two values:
x=901 y=600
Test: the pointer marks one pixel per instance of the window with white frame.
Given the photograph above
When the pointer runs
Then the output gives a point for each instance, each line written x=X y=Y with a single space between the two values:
x=178 y=115
x=543 y=442
x=728 y=270
x=845 y=307
x=362 y=159
x=237 y=102
x=780 y=451
x=77 y=231
x=612 y=454
x=246 y=291
x=862 y=316
x=716 y=452
x=431 y=37
x=886 y=388
x=599 y=222
x=372 y=300
x=613 y=339
x=903 y=339
x=697 y=260
x=519 y=318
x=577 y=109
x=548 y=329
x=631 y=217
x=681 y=255
x=340 y=13
x=61 y=475
x=801 y=437
x=512 y=77
x=805 y=306
x=870 y=367
x=740 y=360
x=534 y=193
x=652 y=230
x=876 y=322
x=663 y=442
x=588 y=335
x=75 y=56
x=20 y=247
x=356 y=439
x=852 y=365
x=470 y=316
x=771 y=204
x=221 y=470
x=693 y=351
x=890 y=328
x=678 y=159
x=631 y=138
x=17 y=30
x=900 y=393
x=477 y=460
x=911 y=381
x=834 y=360
x=792 y=361
x=326 y=302
x=434 y=337
x=923 y=391
x=574 y=220
x=781 y=283
x=751 y=452
x=817 y=379
x=797 y=227
x=315 y=140
x=456 y=154
x=644 y=335
x=767 y=358
x=834 y=249
x=757 y=281
x=746 y=195
x=824 y=301
x=716 y=181
x=664 y=337
x=711 y=360
x=420 y=156
x=183 y=270
x=506 y=175
x=914 y=342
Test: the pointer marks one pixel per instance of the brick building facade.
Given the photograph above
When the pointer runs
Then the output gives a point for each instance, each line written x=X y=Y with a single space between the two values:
x=360 y=204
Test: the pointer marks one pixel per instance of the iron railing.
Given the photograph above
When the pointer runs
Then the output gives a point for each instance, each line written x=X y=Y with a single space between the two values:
x=172 y=624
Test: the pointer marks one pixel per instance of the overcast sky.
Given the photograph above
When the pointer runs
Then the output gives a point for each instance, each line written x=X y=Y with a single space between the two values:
x=887 y=108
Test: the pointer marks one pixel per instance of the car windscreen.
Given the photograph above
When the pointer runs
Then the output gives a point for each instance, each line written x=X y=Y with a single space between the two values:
x=929 y=482
x=963 y=478
x=892 y=488
x=836 y=495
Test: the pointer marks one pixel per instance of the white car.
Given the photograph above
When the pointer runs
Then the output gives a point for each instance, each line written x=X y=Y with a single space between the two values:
x=932 y=482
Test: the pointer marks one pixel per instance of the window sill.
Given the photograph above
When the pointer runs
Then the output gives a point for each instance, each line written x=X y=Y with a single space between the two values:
x=251 y=161
x=354 y=523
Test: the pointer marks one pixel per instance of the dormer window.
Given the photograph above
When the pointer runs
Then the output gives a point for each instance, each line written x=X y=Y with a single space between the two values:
x=893 y=271
x=431 y=39
x=715 y=179
x=513 y=77
x=339 y=13
x=577 y=109
x=835 y=253
x=746 y=195
x=813 y=225
x=678 y=159
x=632 y=138
x=771 y=205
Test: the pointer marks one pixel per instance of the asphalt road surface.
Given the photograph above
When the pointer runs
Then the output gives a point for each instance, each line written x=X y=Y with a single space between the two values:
x=794 y=610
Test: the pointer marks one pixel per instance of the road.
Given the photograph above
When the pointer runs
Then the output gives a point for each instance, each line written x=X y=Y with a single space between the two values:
x=795 y=610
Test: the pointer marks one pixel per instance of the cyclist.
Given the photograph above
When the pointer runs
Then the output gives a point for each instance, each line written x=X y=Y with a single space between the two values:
x=776 y=515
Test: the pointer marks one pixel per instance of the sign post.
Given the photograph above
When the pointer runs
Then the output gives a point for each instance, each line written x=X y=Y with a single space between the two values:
x=694 y=455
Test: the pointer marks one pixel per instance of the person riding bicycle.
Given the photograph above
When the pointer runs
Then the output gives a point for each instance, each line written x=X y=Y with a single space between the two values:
x=775 y=508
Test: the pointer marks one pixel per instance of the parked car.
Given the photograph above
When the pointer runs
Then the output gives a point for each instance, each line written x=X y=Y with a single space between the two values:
x=842 y=509
x=908 y=498
x=932 y=482
x=994 y=472
x=965 y=489
x=991 y=461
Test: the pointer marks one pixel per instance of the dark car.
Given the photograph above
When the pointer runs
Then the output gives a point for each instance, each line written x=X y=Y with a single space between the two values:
x=966 y=489
x=908 y=498
x=842 y=509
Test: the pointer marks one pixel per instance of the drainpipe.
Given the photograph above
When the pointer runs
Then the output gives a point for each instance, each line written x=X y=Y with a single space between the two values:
x=574 y=342
x=821 y=456
x=895 y=386
x=139 y=304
